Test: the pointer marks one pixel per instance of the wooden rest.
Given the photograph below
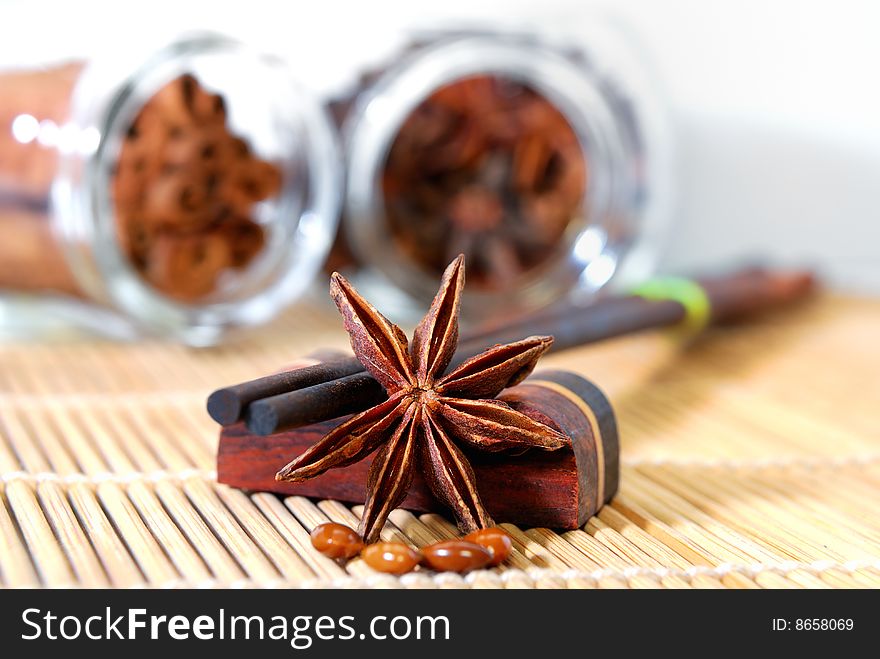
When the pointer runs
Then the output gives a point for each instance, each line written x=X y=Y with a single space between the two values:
x=560 y=489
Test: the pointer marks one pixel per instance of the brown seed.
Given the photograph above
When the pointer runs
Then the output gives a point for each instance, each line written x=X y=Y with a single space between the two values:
x=495 y=539
x=336 y=540
x=456 y=556
x=391 y=557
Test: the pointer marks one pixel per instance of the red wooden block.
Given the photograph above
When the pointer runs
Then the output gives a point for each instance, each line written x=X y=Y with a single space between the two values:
x=560 y=489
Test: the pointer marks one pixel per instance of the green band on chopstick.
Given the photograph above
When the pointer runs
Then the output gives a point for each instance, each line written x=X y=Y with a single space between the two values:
x=688 y=293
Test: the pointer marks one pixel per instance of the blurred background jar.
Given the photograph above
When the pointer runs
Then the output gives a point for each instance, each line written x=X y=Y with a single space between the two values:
x=192 y=190
x=545 y=163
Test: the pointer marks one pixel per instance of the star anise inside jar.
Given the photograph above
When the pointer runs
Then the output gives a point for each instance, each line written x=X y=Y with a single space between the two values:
x=427 y=414
x=488 y=167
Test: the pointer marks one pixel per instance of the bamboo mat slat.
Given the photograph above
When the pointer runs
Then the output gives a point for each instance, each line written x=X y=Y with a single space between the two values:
x=750 y=459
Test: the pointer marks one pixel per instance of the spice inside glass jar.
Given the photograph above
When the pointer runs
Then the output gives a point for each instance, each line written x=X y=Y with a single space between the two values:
x=185 y=190
x=487 y=167
x=529 y=158
x=193 y=191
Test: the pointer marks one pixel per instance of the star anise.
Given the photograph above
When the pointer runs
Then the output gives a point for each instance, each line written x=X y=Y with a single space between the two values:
x=426 y=412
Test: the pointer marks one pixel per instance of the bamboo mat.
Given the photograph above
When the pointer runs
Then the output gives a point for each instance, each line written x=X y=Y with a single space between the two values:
x=751 y=459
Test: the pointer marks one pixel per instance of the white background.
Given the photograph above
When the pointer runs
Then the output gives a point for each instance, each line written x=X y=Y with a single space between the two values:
x=776 y=104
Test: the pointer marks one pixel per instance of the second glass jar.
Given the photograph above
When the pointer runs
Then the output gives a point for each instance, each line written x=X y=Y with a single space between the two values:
x=543 y=164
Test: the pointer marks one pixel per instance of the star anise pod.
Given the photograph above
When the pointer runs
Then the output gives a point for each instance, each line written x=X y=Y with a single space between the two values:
x=427 y=412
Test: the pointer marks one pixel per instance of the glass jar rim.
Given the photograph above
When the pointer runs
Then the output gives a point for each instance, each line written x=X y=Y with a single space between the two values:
x=83 y=213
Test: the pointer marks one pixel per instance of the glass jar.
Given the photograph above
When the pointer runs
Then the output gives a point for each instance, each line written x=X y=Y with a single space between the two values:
x=546 y=164
x=193 y=190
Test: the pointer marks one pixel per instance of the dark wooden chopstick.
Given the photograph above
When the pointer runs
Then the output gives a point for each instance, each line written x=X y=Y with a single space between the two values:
x=341 y=386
